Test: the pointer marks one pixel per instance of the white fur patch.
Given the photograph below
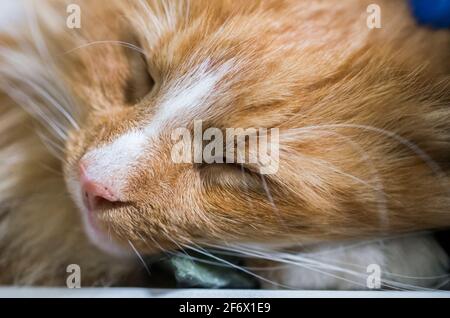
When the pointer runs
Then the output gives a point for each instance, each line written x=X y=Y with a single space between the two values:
x=189 y=95
x=111 y=164
x=191 y=91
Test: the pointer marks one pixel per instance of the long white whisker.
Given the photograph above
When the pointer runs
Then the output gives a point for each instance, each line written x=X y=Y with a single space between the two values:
x=120 y=43
x=309 y=266
x=54 y=148
x=23 y=99
x=140 y=258
x=239 y=268
x=299 y=260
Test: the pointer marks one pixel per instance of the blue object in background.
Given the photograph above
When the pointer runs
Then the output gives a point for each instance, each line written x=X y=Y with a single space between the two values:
x=434 y=13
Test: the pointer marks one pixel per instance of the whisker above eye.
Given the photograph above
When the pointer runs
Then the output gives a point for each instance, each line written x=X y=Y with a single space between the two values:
x=113 y=42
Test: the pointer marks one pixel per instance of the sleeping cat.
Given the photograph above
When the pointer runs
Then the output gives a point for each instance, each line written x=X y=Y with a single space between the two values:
x=87 y=116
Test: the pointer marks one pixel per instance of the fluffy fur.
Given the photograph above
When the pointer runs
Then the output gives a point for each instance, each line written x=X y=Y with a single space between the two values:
x=363 y=117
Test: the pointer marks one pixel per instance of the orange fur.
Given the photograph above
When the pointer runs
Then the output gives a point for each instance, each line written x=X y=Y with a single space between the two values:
x=340 y=94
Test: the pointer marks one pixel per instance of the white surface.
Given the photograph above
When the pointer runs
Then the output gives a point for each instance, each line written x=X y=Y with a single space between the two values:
x=9 y=292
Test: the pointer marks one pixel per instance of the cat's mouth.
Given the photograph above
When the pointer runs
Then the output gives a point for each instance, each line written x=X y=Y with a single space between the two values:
x=93 y=202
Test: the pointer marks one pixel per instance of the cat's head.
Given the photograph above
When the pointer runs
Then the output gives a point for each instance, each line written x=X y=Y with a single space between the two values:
x=146 y=72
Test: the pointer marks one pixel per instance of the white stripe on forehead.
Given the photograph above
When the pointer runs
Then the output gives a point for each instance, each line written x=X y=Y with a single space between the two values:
x=111 y=164
x=189 y=95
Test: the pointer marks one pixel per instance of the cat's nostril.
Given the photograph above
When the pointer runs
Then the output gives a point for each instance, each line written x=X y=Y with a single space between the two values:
x=94 y=193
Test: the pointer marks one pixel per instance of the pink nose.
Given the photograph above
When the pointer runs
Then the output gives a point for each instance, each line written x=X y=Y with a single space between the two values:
x=94 y=193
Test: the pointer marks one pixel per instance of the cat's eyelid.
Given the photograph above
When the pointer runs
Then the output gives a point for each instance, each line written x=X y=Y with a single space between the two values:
x=151 y=69
x=142 y=81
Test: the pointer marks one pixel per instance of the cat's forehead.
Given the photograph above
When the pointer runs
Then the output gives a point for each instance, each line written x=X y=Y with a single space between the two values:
x=210 y=61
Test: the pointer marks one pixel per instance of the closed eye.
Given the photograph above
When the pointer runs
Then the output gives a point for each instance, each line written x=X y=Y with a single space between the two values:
x=140 y=82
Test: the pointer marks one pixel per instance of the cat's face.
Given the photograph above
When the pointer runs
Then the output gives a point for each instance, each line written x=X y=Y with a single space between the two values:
x=233 y=67
x=222 y=74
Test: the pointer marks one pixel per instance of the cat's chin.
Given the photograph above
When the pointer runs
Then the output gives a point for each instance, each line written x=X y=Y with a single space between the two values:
x=101 y=240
